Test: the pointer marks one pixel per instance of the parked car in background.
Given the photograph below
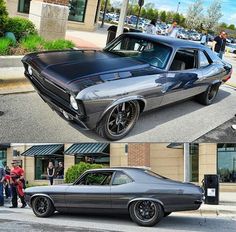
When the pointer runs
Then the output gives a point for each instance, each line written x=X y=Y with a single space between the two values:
x=146 y=196
x=231 y=48
x=107 y=90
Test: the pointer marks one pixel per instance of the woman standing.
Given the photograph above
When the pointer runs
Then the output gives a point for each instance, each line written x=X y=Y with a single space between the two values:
x=50 y=172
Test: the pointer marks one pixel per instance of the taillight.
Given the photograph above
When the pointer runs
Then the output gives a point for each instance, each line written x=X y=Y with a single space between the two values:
x=228 y=76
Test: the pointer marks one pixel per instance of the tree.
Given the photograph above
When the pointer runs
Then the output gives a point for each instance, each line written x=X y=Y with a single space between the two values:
x=213 y=15
x=231 y=27
x=163 y=16
x=103 y=5
x=194 y=17
x=3 y=16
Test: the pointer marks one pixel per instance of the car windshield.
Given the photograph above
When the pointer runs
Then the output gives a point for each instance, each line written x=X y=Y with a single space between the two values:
x=155 y=54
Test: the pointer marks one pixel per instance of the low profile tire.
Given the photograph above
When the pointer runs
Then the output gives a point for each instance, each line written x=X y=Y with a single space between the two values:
x=42 y=206
x=207 y=97
x=166 y=214
x=146 y=212
x=119 y=120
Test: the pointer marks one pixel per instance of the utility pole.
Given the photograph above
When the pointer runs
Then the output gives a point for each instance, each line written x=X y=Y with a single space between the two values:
x=140 y=3
x=186 y=163
x=123 y=12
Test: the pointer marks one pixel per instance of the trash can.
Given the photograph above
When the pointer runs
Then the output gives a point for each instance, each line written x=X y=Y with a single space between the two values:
x=112 y=33
x=211 y=189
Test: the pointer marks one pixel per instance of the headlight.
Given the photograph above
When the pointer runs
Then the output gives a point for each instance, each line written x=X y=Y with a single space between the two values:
x=30 y=71
x=73 y=102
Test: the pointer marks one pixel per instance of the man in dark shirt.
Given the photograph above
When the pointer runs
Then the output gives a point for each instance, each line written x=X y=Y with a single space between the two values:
x=2 y=177
x=219 y=43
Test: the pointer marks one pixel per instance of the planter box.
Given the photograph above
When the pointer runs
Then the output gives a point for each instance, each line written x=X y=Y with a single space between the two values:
x=10 y=61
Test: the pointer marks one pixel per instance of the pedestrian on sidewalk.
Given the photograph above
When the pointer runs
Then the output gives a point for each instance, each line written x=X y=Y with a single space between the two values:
x=7 y=182
x=17 y=175
x=151 y=27
x=173 y=30
x=218 y=45
x=51 y=172
x=60 y=171
x=2 y=177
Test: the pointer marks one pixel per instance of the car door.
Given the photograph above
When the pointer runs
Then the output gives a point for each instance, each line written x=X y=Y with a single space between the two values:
x=121 y=190
x=89 y=193
x=182 y=79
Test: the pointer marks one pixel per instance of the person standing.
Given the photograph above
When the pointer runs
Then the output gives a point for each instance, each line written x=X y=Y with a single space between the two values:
x=17 y=175
x=50 y=172
x=151 y=27
x=204 y=39
x=218 y=45
x=60 y=171
x=173 y=30
x=2 y=177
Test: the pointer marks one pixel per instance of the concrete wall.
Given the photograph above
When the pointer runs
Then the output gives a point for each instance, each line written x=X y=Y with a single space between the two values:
x=118 y=157
x=167 y=161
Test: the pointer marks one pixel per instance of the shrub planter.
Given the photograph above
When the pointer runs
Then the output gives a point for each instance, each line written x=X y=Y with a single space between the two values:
x=10 y=61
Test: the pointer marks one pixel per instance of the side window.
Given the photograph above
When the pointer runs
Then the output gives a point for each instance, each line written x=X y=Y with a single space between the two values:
x=184 y=60
x=96 y=178
x=121 y=178
x=203 y=61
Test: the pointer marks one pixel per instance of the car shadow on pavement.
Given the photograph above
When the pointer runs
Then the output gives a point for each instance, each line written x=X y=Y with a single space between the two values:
x=148 y=120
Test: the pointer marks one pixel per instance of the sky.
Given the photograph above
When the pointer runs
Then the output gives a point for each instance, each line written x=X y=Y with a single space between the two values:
x=228 y=7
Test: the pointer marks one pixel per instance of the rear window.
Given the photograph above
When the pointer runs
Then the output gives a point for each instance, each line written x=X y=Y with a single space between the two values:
x=150 y=173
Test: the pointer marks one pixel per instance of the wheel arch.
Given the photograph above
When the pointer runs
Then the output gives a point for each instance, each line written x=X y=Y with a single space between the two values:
x=146 y=199
x=41 y=195
x=141 y=101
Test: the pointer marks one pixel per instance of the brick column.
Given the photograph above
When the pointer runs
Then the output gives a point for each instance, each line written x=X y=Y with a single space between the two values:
x=139 y=154
x=50 y=17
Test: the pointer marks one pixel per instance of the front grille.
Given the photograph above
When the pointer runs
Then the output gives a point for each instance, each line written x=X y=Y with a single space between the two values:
x=59 y=91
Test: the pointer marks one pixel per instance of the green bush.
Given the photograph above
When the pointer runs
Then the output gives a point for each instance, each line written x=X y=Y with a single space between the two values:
x=5 y=45
x=21 y=27
x=32 y=43
x=76 y=170
x=3 y=16
x=58 y=44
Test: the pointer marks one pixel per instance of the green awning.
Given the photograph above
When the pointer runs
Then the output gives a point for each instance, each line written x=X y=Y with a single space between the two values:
x=175 y=145
x=43 y=150
x=88 y=148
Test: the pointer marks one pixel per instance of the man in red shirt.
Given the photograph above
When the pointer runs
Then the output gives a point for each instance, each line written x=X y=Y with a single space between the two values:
x=17 y=178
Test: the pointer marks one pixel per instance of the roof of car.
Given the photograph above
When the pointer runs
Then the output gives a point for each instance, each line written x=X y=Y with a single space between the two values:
x=167 y=40
x=118 y=169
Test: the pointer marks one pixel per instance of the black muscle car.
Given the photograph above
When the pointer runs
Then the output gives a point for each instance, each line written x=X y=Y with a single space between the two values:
x=141 y=193
x=107 y=90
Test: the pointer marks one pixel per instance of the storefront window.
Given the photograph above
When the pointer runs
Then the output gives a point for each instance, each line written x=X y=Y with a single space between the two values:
x=24 y=6
x=41 y=164
x=194 y=162
x=104 y=160
x=77 y=10
x=3 y=156
x=226 y=165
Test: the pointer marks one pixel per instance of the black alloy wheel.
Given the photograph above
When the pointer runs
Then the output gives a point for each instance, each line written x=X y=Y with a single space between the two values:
x=119 y=120
x=42 y=206
x=146 y=212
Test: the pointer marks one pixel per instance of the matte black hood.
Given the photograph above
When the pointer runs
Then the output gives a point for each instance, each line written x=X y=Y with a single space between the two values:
x=66 y=67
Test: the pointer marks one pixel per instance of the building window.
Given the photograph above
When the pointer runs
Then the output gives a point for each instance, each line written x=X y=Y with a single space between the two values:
x=104 y=160
x=77 y=10
x=194 y=162
x=24 y=6
x=41 y=164
x=226 y=162
x=3 y=156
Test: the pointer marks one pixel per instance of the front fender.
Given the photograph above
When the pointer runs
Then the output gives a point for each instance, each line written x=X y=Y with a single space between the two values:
x=122 y=100
x=40 y=194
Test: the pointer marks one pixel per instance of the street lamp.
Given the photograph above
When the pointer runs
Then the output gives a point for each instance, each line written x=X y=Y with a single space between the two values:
x=178 y=7
x=104 y=13
x=140 y=3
